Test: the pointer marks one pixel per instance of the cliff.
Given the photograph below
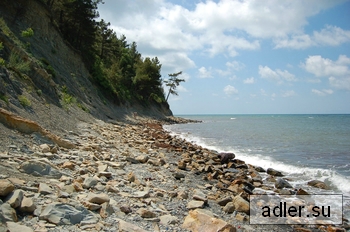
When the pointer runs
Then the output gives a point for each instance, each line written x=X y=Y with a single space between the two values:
x=44 y=79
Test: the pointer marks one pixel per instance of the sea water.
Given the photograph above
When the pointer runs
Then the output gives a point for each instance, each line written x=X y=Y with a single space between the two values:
x=304 y=147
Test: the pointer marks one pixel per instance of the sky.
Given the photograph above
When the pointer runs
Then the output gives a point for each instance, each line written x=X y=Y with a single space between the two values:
x=244 y=56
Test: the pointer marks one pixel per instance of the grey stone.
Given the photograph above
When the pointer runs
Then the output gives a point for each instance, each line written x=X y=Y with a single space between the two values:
x=39 y=168
x=14 y=227
x=15 y=198
x=195 y=204
x=282 y=183
x=7 y=213
x=44 y=189
x=90 y=182
x=273 y=172
x=62 y=214
x=168 y=219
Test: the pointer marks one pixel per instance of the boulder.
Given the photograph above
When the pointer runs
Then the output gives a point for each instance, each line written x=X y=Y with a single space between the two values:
x=127 y=227
x=14 y=227
x=89 y=182
x=198 y=221
x=98 y=198
x=282 y=183
x=274 y=172
x=168 y=219
x=195 y=204
x=5 y=187
x=318 y=184
x=226 y=157
x=15 y=198
x=240 y=204
x=229 y=207
x=44 y=189
x=39 y=168
x=224 y=201
x=27 y=205
x=145 y=213
x=62 y=214
x=7 y=213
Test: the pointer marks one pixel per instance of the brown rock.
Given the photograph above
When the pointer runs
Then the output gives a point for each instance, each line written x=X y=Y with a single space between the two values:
x=240 y=204
x=224 y=201
x=45 y=148
x=68 y=165
x=145 y=213
x=181 y=165
x=127 y=227
x=125 y=209
x=131 y=177
x=241 y=217
x=273 y=172
x=98 y=198
x=27 y=205
x=15 y=198
x=195 y=205
x=318 y=184
x=229 y=207
x=5 y=187
x=197 y=221
x=302 y=192
x=12 y=226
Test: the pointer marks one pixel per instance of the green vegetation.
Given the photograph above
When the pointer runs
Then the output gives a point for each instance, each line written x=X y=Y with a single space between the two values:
x=24 y=101
x=2 y=61
x=28 y=33
x=18 y=64
x=49 y=69
x=172 y=83
x=116 y=65
x=67 y=99
x=4 y=98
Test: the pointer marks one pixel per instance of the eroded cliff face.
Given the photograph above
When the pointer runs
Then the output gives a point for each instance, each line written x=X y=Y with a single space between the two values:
x=57 y=84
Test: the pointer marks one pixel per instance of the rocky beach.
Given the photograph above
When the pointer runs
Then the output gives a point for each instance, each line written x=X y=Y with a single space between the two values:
x=129 y=176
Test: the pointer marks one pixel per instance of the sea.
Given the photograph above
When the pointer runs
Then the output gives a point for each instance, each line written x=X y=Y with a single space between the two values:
x=304 y=147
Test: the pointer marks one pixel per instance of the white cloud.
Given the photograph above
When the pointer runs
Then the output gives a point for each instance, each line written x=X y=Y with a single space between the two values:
x=323 y=67
x=323 y=92
x=338 y=72
x=250 y=80
x=229 y=90
x=289 y=93
x=328 y=36
x=164 y=29
x=277 y=75
x=332 y=36
x=204 y=73
x=235 y=65
x=340 y=83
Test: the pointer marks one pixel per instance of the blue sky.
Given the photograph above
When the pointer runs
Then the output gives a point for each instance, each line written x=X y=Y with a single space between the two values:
x=244 y=57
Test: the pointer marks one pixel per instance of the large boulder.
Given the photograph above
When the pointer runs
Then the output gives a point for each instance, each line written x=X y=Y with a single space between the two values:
x=5 y=187
x=40 y=168
x=318 y=184
x=62 y=214
x=199 y=221
x=274 y=172
x=226 y=157
x=282 y=183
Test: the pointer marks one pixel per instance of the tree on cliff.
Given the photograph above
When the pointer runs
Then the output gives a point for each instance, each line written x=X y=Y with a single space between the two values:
x=172 y=83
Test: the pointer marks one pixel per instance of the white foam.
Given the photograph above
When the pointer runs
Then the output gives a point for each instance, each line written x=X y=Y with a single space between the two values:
x=304 y=174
